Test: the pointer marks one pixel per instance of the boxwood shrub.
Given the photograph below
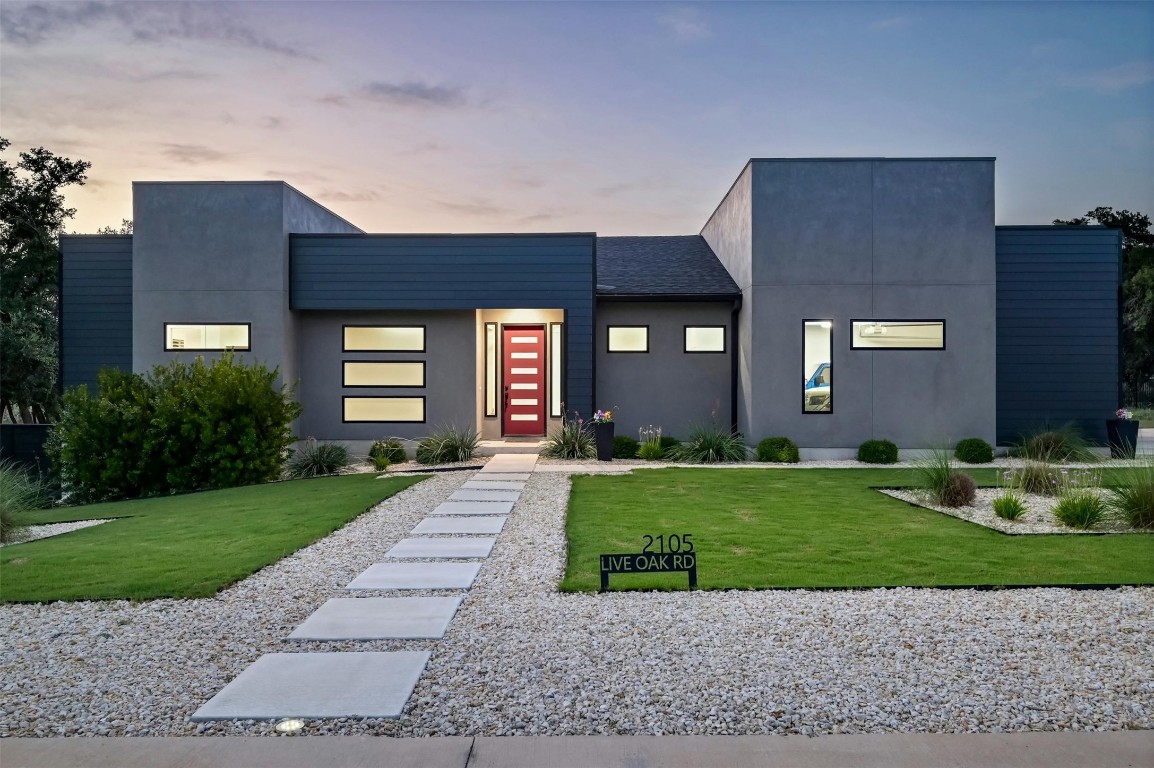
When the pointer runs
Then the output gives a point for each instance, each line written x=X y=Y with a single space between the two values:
x=877 y=452
x=778 y=449
x=974 y=450
x=625 y=447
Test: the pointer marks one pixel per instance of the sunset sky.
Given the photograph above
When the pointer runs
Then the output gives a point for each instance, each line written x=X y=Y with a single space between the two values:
x=619 y=118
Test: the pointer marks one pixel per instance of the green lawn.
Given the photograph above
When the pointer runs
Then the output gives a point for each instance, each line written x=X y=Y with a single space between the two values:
x=192 y=545
x=821 y=528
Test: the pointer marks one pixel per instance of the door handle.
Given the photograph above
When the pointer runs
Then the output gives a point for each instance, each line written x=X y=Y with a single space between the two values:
x=506 y=395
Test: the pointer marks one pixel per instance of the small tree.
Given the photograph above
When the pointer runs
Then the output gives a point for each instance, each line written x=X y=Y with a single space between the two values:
x=182 y=427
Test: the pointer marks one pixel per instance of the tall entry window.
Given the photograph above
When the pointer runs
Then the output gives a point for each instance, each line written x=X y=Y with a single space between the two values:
x=817 y=348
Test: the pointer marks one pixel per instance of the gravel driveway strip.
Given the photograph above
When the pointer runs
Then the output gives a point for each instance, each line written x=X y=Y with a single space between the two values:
x=520 y=658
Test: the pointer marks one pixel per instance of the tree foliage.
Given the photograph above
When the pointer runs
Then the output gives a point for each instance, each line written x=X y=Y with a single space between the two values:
x=1137 y=288
x=32 y=216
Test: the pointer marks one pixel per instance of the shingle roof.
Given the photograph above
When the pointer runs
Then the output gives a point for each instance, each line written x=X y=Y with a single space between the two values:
x=661 y=266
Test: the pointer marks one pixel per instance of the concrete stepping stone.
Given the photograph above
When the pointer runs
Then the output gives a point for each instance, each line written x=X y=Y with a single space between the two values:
x=461 y=524
x=494 y=485
x=379 y=618
x=319 y=685
x=517 y=476
x=418 y=547
x=472 y=494
x=417 y=576
x=473 y=508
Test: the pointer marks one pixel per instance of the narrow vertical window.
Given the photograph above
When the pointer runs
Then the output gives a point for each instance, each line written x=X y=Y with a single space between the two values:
x=490 y=369
x=817 y=346
x=556 y=368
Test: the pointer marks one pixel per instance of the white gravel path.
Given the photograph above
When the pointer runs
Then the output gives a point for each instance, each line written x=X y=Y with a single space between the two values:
x=36 y=532
x=521 y=658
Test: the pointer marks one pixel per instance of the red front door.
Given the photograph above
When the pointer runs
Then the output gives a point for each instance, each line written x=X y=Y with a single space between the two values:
x=524 y=379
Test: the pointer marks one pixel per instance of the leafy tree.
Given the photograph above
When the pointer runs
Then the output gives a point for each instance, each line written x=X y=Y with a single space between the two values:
x=125 y=228
x=1137 y=288
x=32 y=216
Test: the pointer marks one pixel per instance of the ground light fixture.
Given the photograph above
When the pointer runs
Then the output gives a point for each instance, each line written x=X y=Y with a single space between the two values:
x=289 y=726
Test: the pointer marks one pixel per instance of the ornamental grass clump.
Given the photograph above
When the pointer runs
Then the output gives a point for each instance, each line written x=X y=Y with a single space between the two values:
x=1134 y=498
x=942 y=483
x=447 y=444
x=960 y=490
x=1055 y=445
x=711 y=445
x=1038 y=477
x=316 y=459
x=572 y=440
x=651 y=450
x=21 y=492
x=1082 y=508
x=778 y=449
x=1009 y=505
x=386 y=452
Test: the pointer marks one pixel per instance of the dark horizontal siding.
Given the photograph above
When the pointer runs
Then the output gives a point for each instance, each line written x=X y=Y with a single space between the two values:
x=366 y=272
x=95 y=306
x=1058 y=328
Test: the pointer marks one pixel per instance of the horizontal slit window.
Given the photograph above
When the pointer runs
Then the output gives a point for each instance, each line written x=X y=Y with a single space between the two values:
x=384 y=338
x=898 y=334
x=628 y=338
x=705 y=338
x=392 y=409
x=206 y=337
x=372 y=374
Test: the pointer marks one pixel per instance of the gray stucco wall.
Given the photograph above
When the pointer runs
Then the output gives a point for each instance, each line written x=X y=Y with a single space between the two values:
x=729 y=233
x=1058 y=329
x=424 y=272
x=450 y=376
x=95 y=306
x=844 y=240
x=217 y=252
x=664 y=387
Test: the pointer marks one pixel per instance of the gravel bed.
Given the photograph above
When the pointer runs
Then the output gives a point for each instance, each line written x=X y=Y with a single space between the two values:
x=521 y=658
x=623 y=465
x=34 y=532
x=1039 y=517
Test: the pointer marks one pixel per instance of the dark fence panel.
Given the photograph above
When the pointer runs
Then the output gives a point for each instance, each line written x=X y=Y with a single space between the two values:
x=24 y=444
x=1139 y=395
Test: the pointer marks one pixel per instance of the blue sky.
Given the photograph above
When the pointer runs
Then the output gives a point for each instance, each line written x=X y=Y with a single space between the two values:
x=622 y=118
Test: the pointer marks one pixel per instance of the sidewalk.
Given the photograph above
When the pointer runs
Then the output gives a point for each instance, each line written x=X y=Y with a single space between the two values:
x=1116 y=749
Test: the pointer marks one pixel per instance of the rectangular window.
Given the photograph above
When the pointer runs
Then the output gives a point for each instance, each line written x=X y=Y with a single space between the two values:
x=705 y=338
x=556 y=362
x=628 y=338
x=817 y=346
x=206 y=338
x=384 y=338
x=490 y=369
x=898 y=334
x=392 y=409
x=372 y=374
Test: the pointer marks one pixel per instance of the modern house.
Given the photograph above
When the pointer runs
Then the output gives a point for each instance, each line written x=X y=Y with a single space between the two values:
x=829 y=300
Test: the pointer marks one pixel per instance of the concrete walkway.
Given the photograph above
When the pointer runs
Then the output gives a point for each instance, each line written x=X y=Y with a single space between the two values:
x=378 y=684
x=1119 y=749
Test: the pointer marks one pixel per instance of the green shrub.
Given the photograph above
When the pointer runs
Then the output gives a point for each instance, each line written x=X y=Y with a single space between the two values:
x=447 y=444
x=571 y=440
x=180 y=427
x=21 y=492
x=1056 y=444
x=1037 y=477
x=711 y=445
x=778 y=449
x=1009 y=506
x=380 y=463
x=1080 y=508
x=651 y=450
x=668 y=442
x=315 y=459
x=390 y=449
x=625 y=447
x=960 y=490
x=1134 y=498
x=877 y=452
x=974 y=450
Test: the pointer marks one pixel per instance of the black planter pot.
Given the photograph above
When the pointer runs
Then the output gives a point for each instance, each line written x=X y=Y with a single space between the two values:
x=1122 y=435
x=603 y=433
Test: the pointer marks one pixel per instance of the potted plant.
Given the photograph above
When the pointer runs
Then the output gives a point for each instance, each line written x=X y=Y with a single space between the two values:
x=1122 y=434
x=603 y=434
